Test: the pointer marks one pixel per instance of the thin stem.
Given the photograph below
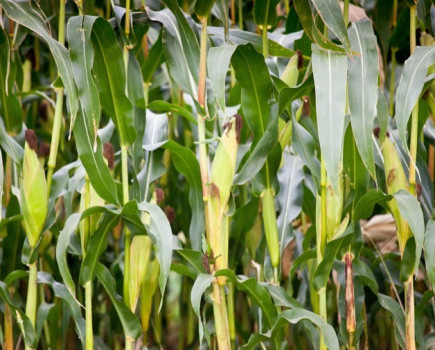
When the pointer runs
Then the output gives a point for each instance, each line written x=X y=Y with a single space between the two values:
x=201 y=99
x=346 y=12
x=9 y=329
x=88 y=305
x=321 y=241
x=57 y=123
x=410 y=318
x=265 y=42
x=240 y=15
x=231 y=317
x=127 y=241
x=32 y=292
x=409 y=285
x=392 y=80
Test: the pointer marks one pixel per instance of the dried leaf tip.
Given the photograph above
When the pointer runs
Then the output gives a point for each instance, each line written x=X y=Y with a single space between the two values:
x=109 y=154
x=31 y=140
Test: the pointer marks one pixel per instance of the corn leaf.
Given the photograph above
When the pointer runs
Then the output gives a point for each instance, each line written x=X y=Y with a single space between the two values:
x=362 y=89
x=330 y=77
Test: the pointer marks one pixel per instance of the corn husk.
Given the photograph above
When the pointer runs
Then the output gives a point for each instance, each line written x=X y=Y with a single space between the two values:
x=33 y=194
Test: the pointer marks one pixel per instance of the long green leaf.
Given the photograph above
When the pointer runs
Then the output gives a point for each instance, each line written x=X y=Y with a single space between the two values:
x=94 y=163
x=180 y=45
x=258 y=293
x=110 y=77
x=63 y=241
x=161 y=234
x=60 y=291
x=218 y=62
x=23 y=13
x=23 y=322
x=186 y=163
x=241 y=37
x=294 y=316
x=95 y=246
x=410 y=210
x=201 y=284
x=330 y=77
x=362 y=89
x=410 y=86
x=331 y=14
x=129 y=321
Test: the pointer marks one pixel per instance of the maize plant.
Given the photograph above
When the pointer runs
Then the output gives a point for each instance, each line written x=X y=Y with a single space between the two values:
x=217 y=174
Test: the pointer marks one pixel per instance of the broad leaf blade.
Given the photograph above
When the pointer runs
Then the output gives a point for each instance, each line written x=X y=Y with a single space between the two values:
x=186 y=163
x=410 y=86
x=362 y=89
x=330 y=77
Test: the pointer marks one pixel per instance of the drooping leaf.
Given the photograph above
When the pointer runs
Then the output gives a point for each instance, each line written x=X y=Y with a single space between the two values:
x=201 y=284
x=61 y=292
x=163 y=106
x=241 y=37
x=332 y=247
x=129 y=321
x=94 y=163
x=161 y=234
x=294 y=316
x=23 y=13
x=95 y=245
x=410 y=210
x=180 y=45
x=332 y=16
x=63 y=241
x=23 y=322
x=330 y=76
x=218 y=62
x=303 y=9
x=258 y=293
x=156 y=131
x=11 y=147
x=410 y=86
x=186 y=163
x=362 y=89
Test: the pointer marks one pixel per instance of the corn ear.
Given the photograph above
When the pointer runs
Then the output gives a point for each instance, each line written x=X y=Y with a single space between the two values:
x=148 y=289
x=270 y=226
x=334 y=208
x=291 y=73
x=396 y=180
x=221 y=181
x=139 y=259
x=33 y=194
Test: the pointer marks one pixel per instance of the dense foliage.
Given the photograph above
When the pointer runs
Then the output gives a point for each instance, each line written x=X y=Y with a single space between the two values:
x=217 y=174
